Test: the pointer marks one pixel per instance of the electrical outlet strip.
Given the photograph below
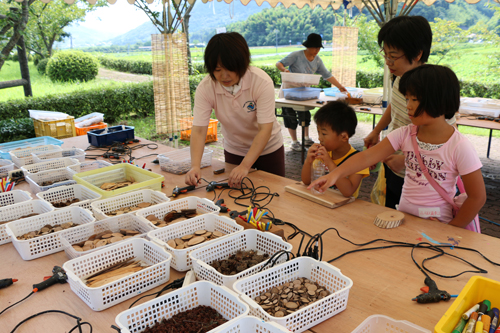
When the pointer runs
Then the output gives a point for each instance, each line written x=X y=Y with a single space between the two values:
x=16 y=173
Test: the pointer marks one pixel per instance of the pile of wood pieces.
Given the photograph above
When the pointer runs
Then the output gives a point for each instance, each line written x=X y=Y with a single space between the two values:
x=292 y=296
x=198 y=237
x=238 y=262
x=66 y=203
x=115 y=272
x=47 y=229
x=22 y=217
x=172 y=216
x=125 y=210
x=104 y=238
x=117 y=185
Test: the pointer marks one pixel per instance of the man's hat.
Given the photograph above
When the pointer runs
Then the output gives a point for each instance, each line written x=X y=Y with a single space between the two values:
x=313 y=40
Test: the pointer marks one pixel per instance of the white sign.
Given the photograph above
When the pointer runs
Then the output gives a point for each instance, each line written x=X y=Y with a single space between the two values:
x=221 y=30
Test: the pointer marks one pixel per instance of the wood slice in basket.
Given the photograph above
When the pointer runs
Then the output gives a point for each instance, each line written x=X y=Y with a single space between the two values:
x=389 y=219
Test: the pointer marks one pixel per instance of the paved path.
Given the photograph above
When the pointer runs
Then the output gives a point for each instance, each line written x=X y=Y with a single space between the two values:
x=120 y=76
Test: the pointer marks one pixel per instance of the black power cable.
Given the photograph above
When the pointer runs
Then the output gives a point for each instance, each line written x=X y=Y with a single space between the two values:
x=31 y=293
x=78 y=325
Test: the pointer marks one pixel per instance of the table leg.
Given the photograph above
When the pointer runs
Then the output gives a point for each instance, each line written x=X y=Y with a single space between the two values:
x=373 y=126
x=489 y=144
x=303 y=124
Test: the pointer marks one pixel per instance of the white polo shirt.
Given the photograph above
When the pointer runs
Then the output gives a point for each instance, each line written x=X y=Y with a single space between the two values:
x=240 y=114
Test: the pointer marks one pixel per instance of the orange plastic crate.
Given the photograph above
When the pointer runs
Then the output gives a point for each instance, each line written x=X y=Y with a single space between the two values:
x=84 y=130
x=211 y=132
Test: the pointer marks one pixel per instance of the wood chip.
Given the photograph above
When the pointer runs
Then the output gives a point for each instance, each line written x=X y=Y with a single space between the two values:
x=144 y=204
x=151 y=217
x=196 y=240
x=218 y=234
x=172 y=243
x=200 y=232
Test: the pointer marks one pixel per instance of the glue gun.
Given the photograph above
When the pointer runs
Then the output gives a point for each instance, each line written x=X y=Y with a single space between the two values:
x=213 y=185
x=59 y=276
x=220 y=203
x=180 y=190
x=4 y=283
x=431 y=293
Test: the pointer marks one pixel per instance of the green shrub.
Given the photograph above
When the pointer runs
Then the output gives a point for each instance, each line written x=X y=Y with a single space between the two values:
x=72 y=66
x=42 y=66
x=199 y=68
x=16 y=129
x=129 y=66
x=194 y=81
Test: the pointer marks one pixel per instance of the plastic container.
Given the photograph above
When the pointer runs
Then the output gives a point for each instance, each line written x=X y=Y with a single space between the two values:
x=117 y=173
x=249 y=324
x=83 y=232
x=300 y=79
x=384 y=324
x=334 y=90
x=64 y=193
x=480 y=106
x=321 y=272
x=187 y=123
x=14 y=197
x=44 y=245
x=76 y=153
x=317 y=171
x=145 y=315
x=242 y=241
x=63 y=128
x=14 y=212
x=476 y=290
x=54 y=164
x=202 y=206
x=5 y=148
x=89 y=120
x=100 y=298
x=5 y=167
x=106 y=137
x=302 y=94
x=89 y=165
x=179 y=162
x=85 y=130
x=59 y=177
x=102 y=207
x=23 y=156
x=181 y=260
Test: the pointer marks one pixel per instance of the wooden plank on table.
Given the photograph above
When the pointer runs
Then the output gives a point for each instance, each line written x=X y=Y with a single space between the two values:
x=330 y=198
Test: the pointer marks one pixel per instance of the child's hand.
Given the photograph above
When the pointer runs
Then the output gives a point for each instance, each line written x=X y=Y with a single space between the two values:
x=322 y=153
x=311 y=153
x=323 y=183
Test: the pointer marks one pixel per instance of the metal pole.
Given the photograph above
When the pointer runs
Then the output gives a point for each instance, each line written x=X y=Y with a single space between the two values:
x=276 y=32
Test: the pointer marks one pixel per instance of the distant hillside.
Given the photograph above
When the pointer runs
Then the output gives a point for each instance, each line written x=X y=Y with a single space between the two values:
x=84 y=37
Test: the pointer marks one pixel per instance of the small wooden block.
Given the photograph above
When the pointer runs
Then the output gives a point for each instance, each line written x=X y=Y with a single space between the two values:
x=389 y=219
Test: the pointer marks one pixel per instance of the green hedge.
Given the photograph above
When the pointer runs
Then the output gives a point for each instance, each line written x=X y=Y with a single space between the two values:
x=16 y=129
x=129 y=66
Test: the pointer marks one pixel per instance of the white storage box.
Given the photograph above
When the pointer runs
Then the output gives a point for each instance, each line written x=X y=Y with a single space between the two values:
x=145 y=315
x=102 y=207
x=300 y=79
x=242 y=241
x=100 y=298
x=302 y=94
x=202 y=206
x=43 y=245
x=373 y=96
x=89 y=165
x=321 y=272
x=14 y=212
x=90 y=119
x=249 y=324
x=83 y=232
x=65 y=193
x=180 y=258
x=384 y=324
x=59 y=177
x=23 y=156
x=5 y=167
x=14 y=197
x=54 y=164
x=179 y=161
x=480 y=106
x=76 y=153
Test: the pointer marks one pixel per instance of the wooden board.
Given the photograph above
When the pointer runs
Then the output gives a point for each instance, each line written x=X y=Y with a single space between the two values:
x=330 y=198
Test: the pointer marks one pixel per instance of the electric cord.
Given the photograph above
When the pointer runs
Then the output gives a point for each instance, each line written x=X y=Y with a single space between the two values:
x=78 y=325
x=489 y=221
x=10 y=306
x=274 y=258
x=174 y=285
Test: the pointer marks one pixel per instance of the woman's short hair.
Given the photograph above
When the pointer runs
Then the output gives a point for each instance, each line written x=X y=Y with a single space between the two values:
x=229 y=50
x=436 y=88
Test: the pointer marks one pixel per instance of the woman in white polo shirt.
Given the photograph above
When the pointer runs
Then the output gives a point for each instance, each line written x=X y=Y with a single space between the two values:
x=242 y=97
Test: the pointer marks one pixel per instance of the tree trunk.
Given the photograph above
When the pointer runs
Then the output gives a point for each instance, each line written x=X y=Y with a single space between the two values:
x=187 y=16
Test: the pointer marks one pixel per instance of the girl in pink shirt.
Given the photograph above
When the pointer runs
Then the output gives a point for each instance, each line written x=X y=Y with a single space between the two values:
x=432 y=95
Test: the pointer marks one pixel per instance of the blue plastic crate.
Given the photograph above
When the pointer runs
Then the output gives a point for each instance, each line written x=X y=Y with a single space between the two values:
x=40 y=141
x=106 y=137
x=302 y=93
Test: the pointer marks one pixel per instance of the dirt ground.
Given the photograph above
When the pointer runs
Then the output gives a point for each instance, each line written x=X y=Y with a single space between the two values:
x=120 y=76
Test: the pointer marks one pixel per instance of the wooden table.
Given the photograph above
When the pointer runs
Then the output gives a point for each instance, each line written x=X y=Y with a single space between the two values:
x=487 y=124
x=385 y=281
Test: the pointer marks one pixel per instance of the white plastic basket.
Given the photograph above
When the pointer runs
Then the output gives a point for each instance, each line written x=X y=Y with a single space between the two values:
x=300 y=79
x=145 y=315
x=89 y=165
x=246 y=240
x=180 y=258
x=5 y=167
x=100 y=298
x=64 y=193
x=250 y=324
x=23 y=156
x=53 y=164
x=384 y=324
x=43 y=245
x=14 y=197
x=82 y=233
x=102 y=207
x=179 y=161
x=76 y=153
x=14 y=212
x=60 y=177
x=321 y=272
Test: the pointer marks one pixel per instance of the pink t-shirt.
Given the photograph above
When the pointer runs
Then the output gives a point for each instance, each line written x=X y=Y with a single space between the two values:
x=456 y=157
x=240 y=114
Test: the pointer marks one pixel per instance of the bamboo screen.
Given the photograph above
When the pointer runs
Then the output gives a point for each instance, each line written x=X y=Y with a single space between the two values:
x=345 y=51
x=170 y=82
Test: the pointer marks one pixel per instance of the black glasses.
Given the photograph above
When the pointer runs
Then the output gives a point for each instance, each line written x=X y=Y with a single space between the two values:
x=390 y=60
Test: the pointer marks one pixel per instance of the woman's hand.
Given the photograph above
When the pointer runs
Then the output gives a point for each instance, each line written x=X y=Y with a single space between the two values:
x=237 y=175
x=323 y=183
x=372 y=139
x=193 y=176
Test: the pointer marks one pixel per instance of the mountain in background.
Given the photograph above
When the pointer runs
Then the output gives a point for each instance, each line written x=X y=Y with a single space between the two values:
x=84 y=37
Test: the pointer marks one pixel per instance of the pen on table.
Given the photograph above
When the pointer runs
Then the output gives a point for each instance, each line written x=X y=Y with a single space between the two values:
x=365 y=109
x=144 y=165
